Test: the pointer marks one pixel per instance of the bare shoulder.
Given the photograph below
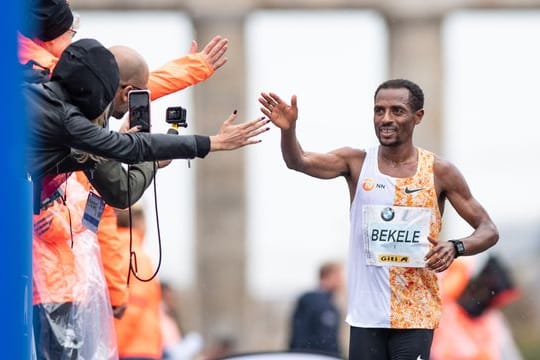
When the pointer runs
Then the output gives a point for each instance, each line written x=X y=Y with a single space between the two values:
x=447 y=175
x=350 y=153
x=442 y=167
x=354 y=159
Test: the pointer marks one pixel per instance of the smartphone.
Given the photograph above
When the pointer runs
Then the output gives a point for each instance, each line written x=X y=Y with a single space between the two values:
x=139 y=109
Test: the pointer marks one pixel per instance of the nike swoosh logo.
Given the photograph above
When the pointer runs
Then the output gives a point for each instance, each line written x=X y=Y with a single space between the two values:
x=419 y=357
x=410 y=191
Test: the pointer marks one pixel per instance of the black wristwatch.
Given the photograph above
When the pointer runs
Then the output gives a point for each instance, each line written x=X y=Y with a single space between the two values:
x=458 y=245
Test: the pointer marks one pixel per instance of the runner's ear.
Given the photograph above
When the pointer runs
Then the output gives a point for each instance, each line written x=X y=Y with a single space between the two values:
x=418 y=115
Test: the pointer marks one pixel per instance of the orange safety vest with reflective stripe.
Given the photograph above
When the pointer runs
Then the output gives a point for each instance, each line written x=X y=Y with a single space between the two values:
x=54 y=272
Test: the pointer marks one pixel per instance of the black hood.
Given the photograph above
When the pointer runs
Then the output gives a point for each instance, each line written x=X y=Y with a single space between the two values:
x=89 y=74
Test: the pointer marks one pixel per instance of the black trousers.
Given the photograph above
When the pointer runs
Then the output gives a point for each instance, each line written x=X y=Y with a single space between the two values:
x=389 y=344
x=54 y=335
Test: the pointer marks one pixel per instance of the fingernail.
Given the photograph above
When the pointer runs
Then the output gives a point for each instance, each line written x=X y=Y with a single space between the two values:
x=235 y=111
x=267 y=128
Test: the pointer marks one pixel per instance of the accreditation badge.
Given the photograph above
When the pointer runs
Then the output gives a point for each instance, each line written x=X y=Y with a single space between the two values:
x=93 y=211
x=396 y=235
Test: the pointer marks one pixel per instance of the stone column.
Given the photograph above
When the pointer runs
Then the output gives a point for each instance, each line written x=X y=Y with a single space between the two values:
x=415 y=54
x=220 y=189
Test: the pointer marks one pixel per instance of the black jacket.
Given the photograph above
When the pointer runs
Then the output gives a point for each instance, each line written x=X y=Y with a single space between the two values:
x=56 y=126
x=315 y=324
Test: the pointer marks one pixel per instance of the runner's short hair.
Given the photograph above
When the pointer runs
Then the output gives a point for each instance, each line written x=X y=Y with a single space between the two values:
x=416 y=95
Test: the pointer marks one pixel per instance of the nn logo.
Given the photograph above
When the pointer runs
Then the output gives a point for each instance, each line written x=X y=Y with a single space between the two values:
x=394 y=258
x=369 y=184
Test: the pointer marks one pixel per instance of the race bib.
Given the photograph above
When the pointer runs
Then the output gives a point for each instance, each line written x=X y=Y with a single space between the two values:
x=396 y=235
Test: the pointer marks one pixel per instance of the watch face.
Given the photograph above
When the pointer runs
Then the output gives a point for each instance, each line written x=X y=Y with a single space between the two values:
x=460 y=248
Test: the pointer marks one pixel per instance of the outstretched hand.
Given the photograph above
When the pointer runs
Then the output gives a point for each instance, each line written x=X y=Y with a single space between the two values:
x=279 y=112
x=233 y=136
x=213 y=52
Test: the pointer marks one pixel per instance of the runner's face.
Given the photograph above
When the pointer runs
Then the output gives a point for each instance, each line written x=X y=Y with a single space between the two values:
x=393 y=117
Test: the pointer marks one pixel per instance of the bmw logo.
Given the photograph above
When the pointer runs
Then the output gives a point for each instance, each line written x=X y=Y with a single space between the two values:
x=387 y=214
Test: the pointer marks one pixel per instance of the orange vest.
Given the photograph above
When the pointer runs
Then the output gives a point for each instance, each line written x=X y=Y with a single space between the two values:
x=139 y=330
x=460 y=337
x=54 y=266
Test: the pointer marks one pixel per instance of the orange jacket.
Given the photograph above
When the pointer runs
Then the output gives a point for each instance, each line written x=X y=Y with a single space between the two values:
x=139 y=331
x=29 y=50
x=54 y=271
x=178 y=74
x=114 y=251
x=173 y=76
x=115 y=257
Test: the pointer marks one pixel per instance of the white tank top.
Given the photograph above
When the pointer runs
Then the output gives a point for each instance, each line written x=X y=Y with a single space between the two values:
x=392 y=294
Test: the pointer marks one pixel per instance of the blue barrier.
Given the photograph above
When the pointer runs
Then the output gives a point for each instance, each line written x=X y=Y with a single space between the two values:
x=15 y=213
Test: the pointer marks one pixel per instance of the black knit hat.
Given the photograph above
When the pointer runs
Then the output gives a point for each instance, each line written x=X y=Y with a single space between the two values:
x=89 y=74
x=47 y=19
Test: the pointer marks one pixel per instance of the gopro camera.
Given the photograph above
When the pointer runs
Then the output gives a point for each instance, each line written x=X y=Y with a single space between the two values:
x=139 y=109
x=176 y=115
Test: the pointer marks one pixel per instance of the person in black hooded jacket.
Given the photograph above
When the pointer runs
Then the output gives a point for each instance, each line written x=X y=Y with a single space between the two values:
x=81 y=89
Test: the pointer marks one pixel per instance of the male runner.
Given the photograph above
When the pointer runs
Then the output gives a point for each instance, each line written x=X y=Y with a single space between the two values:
x=397 y=193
